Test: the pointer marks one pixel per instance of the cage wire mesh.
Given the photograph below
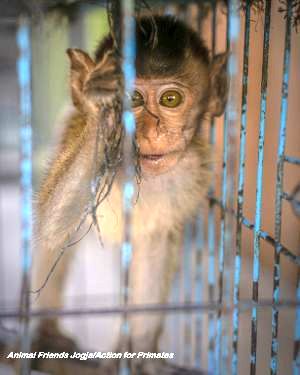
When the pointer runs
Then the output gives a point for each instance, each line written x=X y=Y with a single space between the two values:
x=236 y=279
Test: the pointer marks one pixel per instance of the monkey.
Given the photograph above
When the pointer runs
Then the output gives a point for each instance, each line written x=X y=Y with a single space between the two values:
x=178 y=84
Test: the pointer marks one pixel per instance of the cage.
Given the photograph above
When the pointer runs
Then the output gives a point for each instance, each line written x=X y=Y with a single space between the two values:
x=234 y=305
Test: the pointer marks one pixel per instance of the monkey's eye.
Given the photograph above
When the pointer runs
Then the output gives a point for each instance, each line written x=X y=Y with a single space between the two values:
x=137 y=99
x=171 y=99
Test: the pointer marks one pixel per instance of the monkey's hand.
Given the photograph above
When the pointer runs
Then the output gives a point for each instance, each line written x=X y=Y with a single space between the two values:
x=94 y=83
x=104 y=90
x=48 y=337
x=105 y=84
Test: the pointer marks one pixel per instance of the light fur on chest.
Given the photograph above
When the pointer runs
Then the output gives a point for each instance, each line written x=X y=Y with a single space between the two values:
x=161 y=203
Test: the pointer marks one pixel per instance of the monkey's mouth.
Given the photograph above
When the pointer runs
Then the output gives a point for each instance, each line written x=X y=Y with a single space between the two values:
x=152 y=157
x=155 y=164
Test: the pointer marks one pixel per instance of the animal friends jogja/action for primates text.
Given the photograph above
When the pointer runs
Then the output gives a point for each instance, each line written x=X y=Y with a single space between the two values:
x=177 y=85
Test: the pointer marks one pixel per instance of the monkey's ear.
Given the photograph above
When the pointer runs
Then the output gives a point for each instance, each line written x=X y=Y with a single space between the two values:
x=219 y=84
x=81 y=66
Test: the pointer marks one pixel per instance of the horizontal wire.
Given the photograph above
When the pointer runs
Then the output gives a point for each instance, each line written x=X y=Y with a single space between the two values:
x=264 y=235
x=150 y=308
x=292 y=160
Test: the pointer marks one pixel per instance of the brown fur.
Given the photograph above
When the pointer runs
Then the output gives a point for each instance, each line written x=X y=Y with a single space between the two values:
x=166 y=199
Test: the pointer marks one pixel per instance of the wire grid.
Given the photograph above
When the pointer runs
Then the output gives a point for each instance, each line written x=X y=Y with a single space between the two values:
x=223 y=307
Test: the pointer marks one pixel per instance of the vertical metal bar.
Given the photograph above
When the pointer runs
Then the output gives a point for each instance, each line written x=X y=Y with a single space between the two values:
x=296 y=359
x=219 y=335
x=24 y=78
x=199 y=242
x=212 y=228
x=194 y=282
x=188 y=285
x=259 y=185
x=228 y=190
x=178 y=297
x=240 y=198
x=182 y=316
x=218 y=349
x=128 y=66
x=186 y=276
x=279 y=187
x=200 y=18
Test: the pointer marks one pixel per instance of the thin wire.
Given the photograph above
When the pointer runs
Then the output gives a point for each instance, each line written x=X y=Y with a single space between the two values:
x=244 y=306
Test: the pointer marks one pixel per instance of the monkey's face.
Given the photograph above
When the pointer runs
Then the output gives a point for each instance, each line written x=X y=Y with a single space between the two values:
x=168 y=103
x=165 y=122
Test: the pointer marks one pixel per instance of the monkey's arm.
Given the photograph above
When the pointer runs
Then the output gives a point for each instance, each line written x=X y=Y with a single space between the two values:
x=88 y=151
x=62 y=202
x=89 y=140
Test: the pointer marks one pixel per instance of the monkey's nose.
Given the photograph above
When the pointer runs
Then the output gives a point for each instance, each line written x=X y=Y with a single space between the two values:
x=150 y=125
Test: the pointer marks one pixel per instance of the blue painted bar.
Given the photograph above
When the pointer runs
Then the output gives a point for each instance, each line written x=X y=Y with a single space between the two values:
x=232 y=110
x=212 y=227
x=279 y=188
x=218 y=349
x=218 y=346
x=187 y=350
x=228 y=192
x=296 y=359
x=199 y=241
x=128 y=67
x=240 y=198
x=24 y=79
x=259 y=186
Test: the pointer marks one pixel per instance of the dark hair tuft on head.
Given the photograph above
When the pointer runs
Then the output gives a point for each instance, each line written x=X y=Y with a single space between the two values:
x=166 y=52
x=164 y=43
